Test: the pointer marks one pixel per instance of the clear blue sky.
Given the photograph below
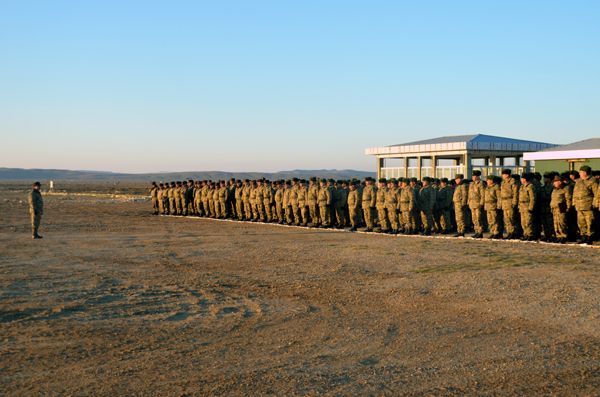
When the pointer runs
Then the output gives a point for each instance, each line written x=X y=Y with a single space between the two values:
x=274 y=85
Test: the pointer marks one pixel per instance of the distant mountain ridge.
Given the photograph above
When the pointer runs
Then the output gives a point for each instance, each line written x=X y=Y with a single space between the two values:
x=22 y=174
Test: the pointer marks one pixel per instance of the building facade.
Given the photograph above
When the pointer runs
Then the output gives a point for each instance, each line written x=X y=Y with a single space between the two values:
x=451 y=155
x=567 y=157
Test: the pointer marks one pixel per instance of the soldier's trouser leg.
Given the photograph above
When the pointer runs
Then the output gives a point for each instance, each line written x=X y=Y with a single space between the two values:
x=296 y=212
x=368 y=214
x=353 y=217
x=393 y=217
x=383 y=219
x=239 y=209
x=427 y=220
x=415 y=220
x=213 y=209
x=509 y=220
x=459 y=212
x=405 y=220
x=324 y=210
x=268 y=214
x=492 y=218
x=314 y=213
x=446 y=221
x=585 y=221
x=304 y=214
x=527 y=223
x=155 y=206
x=560 y=223
x=172 y=209
x=548 y=223
x=340 y=215
x=476 y=214
x=36 y=219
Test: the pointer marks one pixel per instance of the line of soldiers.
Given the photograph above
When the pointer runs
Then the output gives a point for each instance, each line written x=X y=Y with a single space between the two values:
x=553 y=207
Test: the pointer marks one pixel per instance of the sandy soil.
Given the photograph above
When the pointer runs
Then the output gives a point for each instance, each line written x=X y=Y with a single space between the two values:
x=115 y=301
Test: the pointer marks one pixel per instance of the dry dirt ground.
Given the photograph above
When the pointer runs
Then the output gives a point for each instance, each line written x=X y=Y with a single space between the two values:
x=114 y=301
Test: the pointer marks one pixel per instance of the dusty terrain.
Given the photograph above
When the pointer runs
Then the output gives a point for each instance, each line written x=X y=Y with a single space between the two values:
x=114 y=301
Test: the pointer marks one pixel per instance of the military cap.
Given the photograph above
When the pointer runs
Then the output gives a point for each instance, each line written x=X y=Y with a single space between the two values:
x=382 y=180
x=331 y=180
x=459 y=176
x=313 y=178
x=557 y=178
x=476 y=173
x=490 y=178
x=445 y=180
x=413 y=179
x=36 y=183
x=574 y=173
x=323 y=180
x=506 y=171
x=586 y=168
x=548 y=175
x=526 y=175
x=394 y=180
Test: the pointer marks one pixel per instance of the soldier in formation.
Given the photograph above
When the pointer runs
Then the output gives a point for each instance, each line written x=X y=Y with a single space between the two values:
x=553 y=207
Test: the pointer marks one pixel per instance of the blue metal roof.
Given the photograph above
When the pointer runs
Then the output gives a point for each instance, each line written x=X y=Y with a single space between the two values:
x=474 y=138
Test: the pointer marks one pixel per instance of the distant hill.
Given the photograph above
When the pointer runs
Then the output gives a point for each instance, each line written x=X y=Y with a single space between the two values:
x=22 y=174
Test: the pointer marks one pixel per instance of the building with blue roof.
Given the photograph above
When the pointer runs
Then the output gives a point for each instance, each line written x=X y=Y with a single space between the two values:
x=450 y=155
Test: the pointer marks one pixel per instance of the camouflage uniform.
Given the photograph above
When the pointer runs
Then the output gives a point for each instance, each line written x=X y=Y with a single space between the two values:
x=476 y=203
x=154 y=198
x=381 y=208
x=584 y=194
x=509 y=195
x=527 y=202
x=302 y=203
x=407 y=205
x=426 y=202
x=313 y=201
x=36 y=210
x=560 y=203
x=493 y=203
x=443 y=205
x=324 y=205
x=353 y=207
x=340 y=199
x=392 y=203
x=460 y=200
x=369 y=199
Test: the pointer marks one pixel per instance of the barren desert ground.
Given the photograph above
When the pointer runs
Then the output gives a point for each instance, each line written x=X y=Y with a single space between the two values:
x=114 y=301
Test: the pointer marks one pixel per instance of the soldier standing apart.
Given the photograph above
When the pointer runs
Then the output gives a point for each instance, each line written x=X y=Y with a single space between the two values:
x=36 y=209
x=527 y=202
x=492 y=205
x=476 y=203
x=584 y=193
x=154 y=198
x=560 y=203
x=460 y=199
